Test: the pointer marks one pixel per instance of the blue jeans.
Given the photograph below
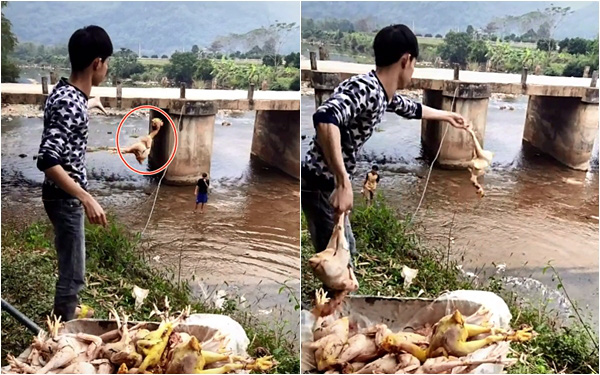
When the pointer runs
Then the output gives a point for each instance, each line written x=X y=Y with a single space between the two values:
x=67 y=217
x=319 y=217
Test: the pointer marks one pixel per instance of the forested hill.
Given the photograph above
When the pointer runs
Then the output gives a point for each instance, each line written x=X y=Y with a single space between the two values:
x=440 y=17
x=160 y=27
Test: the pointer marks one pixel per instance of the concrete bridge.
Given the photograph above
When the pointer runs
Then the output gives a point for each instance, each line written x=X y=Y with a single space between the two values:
x=562 y=113
x=276 y=138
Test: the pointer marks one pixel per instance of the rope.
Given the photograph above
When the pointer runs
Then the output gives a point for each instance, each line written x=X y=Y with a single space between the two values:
x=160 y=180
x=434 y=160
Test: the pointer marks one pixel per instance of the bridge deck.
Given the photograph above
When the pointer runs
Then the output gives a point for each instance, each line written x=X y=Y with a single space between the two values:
x=20 y=93
x=433 y=79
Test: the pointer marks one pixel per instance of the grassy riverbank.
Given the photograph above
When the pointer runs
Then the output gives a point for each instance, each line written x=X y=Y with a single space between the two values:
x=386 y=242
x=114 y=265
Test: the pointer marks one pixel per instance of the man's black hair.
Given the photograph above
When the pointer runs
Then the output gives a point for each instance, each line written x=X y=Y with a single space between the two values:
x=392 y=42
x=86 y=45
x=204 y=175
x=375 y=168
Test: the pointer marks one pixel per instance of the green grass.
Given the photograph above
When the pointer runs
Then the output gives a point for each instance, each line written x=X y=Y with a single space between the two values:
x=385 y=241
x=114 y=265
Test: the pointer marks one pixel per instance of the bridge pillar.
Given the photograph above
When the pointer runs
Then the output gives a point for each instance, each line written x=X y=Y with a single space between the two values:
x=276 y=140
x=471 y=102
x=195 y=142
x=563 y=127
x=324 y=84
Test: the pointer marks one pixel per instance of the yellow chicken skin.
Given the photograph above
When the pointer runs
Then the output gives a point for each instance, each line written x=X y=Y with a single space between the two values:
x=154 y=344
x=450 y=337
x=329 y=347
x=187 y=358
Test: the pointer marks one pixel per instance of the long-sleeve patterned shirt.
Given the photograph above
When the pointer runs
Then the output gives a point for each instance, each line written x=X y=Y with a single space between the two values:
x=356 y=106
x=64 y=138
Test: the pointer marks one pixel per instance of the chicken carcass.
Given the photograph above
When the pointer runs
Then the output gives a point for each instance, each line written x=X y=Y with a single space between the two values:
x=329 y=347
x=332 y=266
x=480 y=162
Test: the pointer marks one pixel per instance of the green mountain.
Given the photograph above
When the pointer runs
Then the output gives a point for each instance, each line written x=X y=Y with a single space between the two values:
x=159 y=27
x=439 y=17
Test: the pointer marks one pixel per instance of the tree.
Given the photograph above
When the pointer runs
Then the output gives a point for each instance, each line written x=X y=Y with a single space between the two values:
x=154 y=56
x=575 y=46
x=195 y=49
x=428 y=35
x=204 y=69
x=271 y=60
x=546 y=44
x=10 y=72
x=279 y=32
x=215 y=47
x=439 y=36
x=293 y=60
x=164 y=57
x=470 y=30
x=182 y=67
x=124 y=63
x=455 y=47
x=478 y=51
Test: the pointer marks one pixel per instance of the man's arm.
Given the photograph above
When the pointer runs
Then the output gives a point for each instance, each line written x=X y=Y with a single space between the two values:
x=93 y=210
x=453 y=118
x=410 y=109
x=331 y=118
x=328 y=136
x=196 y=191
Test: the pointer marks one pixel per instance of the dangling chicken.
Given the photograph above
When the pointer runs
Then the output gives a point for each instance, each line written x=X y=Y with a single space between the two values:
x=480 y=162
x=141 y=149
x=332 y=266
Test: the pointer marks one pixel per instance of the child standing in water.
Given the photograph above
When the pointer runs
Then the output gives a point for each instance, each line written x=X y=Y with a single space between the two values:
x=370 y=184
x=201 y=192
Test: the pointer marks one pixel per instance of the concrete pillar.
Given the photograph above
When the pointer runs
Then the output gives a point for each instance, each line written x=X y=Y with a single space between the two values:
x=276 y=140
x=472 y=103
x=324 y=84
x=564 y=128
x=195 y=142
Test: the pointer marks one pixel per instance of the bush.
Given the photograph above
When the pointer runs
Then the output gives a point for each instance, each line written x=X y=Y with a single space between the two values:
x=438 y=36
x=204 y=70
x=164 y=57
x=154 y=56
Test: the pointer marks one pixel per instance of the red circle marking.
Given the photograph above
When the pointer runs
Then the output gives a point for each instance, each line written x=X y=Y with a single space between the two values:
x=174 y=148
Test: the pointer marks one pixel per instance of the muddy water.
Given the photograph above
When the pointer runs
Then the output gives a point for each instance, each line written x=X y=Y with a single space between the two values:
x=245 y=244
x=535 y=210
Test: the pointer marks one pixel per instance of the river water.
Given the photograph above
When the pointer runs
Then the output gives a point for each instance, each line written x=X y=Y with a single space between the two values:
x=534 y=211
x=245 y=244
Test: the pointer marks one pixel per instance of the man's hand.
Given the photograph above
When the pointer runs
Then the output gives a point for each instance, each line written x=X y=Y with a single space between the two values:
x=94 y=211
x=342 y=198
x=455 y=120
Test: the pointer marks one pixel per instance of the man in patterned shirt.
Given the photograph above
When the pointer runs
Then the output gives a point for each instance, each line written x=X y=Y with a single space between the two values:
x=346 y=121
x=62 y=159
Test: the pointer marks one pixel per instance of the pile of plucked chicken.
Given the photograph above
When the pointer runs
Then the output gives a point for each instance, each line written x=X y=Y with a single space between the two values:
x=450 y=345
x=132 y=350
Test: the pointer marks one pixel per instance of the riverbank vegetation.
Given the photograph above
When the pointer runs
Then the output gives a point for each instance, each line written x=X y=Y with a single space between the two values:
x=386 y=241
x=495 y=48
x=115 y=263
